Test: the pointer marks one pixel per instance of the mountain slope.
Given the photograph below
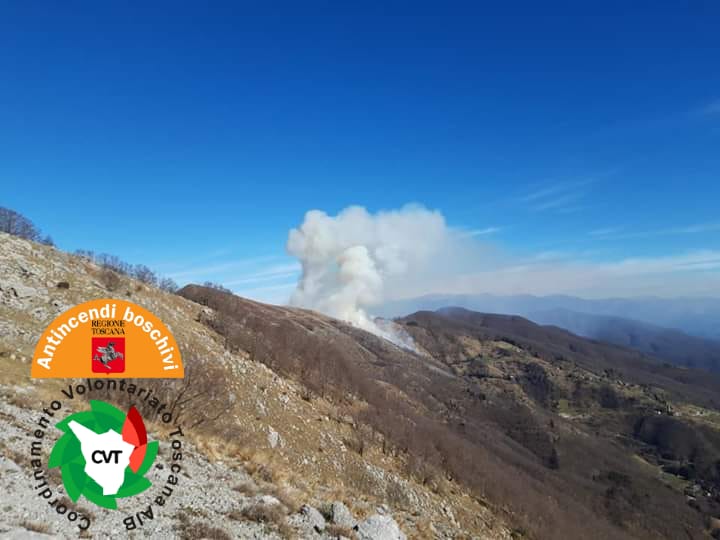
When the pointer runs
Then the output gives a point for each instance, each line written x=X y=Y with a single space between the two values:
x=511 y=410
x=597 y=402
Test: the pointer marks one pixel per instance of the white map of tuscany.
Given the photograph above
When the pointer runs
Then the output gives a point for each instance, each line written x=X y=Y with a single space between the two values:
x=109 y=476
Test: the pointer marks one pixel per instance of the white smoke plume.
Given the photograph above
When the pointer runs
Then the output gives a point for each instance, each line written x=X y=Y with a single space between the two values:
x=350 y=260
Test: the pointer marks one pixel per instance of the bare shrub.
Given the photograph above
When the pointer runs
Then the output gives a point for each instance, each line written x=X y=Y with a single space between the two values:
x=168 y=285
x=34 y=526
x=144 y=274
x=246 y=488
x=268 y=514
x=261 y=471
x=110 y=280
x=263 y=513
x=192 y=530
x=282 y=495
x=216 y=286
x=12 y=222
x=336 y=531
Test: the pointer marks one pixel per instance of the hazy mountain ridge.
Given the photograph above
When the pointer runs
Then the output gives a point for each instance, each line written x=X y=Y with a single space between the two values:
x=695 y=316
x=663 y=343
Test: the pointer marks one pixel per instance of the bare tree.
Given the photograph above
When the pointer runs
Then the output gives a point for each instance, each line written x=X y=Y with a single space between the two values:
x=167 y=284
x=216 y=286
x=12 y=222
x=113 y=262
x=144 y=274
x=110 y=279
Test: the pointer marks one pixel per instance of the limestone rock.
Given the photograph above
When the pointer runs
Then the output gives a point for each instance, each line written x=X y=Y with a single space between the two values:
x=274 y=438
x=341 y=516
x=379 y=527
x=309 y=519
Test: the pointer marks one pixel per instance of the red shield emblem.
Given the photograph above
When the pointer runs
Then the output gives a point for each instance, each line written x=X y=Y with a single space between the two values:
x=108 y=355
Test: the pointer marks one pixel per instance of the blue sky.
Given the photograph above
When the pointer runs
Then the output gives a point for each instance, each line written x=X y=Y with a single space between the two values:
x=193 y=136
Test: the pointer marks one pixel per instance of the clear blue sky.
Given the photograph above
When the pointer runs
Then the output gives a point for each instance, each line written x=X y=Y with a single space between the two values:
x=193 y=135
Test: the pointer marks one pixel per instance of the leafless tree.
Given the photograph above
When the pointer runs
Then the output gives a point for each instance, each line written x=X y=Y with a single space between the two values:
x=144 y=274
x=167 y=284
x=217 y=286
x=12 y=222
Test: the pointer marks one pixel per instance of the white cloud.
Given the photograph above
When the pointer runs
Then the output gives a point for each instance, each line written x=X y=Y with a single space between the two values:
x=279 y=271
x=605 y=231
x=616 y=234
x=205 y=272
x=270 y=294
x=691 y=273
x=479 y=232
x=560 y=197
x=693 y=229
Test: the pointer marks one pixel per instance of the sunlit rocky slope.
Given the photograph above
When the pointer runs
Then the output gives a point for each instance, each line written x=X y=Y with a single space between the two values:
x=266 y=457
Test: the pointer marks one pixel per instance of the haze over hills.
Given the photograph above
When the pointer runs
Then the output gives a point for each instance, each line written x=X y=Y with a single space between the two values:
x=663 y=343
x=694 y=316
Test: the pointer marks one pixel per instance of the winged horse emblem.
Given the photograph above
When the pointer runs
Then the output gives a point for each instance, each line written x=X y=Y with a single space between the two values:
x=107 y=354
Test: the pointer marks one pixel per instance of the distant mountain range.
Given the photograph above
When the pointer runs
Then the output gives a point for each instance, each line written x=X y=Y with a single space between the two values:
x=664 y=343
x=684 y=331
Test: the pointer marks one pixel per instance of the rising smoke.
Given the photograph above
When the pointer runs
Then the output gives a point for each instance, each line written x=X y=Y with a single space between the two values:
x=349 y=261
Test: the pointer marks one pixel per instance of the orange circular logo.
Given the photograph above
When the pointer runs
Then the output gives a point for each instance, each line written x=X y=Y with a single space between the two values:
x=107 y=338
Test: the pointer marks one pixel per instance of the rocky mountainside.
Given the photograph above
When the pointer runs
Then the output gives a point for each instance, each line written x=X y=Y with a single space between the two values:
x=282 y=461
x=492 y=427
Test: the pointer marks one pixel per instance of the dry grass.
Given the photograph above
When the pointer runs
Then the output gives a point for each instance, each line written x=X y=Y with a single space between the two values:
x=22 y=400
x=336 y=531
x=36 y=527
x=423 y=530
x=192 y=530
x=261 y=513
x=13 y=455
x=292 y=501
x=261 y=471
x=246 y=488
x=272 y=515
x=110 y=280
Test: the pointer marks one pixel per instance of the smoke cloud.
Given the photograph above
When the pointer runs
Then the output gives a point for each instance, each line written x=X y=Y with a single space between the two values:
x=349 y=261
